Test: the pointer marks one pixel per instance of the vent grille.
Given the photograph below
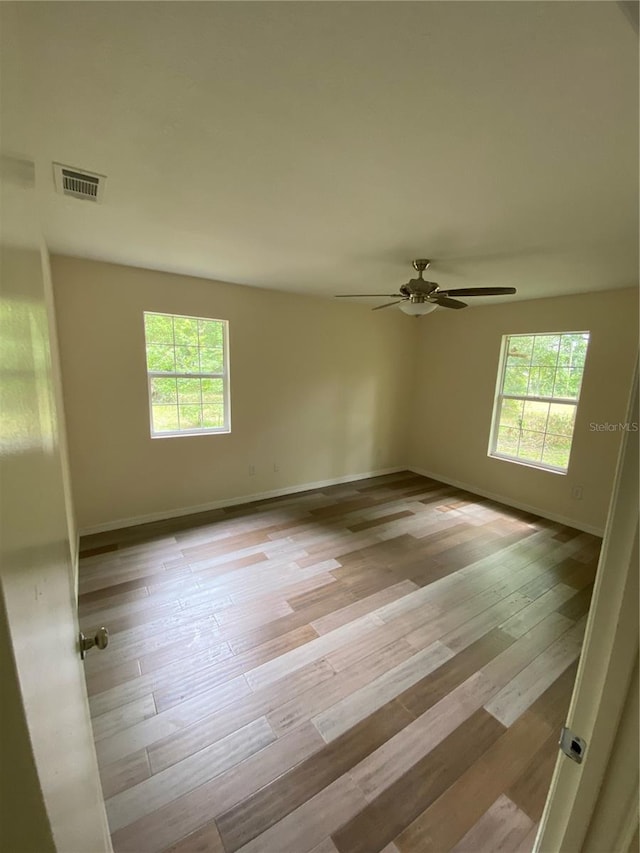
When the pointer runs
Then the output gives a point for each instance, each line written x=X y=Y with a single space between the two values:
x=78 y=184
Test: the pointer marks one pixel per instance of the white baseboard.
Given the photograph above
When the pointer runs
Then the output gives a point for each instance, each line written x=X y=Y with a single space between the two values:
x=336 y=481
x=535 y=510
x=245 y=499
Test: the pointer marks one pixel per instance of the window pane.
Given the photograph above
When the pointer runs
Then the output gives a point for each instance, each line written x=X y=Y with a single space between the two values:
x=520 y=347
x=531 y=444
x=556 y=450
x=574 y=382
x=211 y=360
x=165 y=418
x=573 y=350
x=535 y=416
x=212 y=391
x=186 y=331
x=213 y=416
x=561 y=419
x=508 y=439
x=158 y=329
x=516 y=378
x=163 y=391
x=211 y=333
x=545 y=350
x=511 y=413
x=189 y=391
x=190 y=417
x=541 y=381
x=160 y=358
x=568 y=382
x=187 y=360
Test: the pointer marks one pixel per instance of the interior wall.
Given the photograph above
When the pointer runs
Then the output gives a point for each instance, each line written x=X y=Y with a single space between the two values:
x=319 y=391
x=459 y=354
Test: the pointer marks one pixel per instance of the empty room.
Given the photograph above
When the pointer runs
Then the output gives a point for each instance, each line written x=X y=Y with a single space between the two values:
x=319 y=427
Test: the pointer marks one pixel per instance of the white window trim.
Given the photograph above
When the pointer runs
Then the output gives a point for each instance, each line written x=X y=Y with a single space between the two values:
x=224 y=375
x=499 y=397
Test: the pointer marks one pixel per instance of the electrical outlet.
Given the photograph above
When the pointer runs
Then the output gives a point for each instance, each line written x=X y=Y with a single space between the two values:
x=252 y=470
x=276 y=467
x=576 y=493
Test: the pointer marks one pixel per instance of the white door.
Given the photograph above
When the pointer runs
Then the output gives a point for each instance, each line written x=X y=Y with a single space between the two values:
x=593 y=806
x=51 y=794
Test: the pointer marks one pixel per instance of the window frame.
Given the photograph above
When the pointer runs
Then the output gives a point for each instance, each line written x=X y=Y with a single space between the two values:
x=499 y=397
x=159 y=374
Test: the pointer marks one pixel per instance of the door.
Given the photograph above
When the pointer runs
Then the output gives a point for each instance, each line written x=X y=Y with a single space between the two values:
x=51 y=794
x=592 y=806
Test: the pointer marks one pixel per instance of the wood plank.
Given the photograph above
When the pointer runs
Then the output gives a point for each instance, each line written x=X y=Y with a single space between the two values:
x=360 y=703
x=175 y=692
x=395 y=757
x=161 y=788
x=326 y=846
x=526 y=845
x=532 y=681
x=500 y=829
x=365 y=605
x=123 y=717
x=383 y=519
x=436 y=686
x=146 y=732
x=189 y=812
x=302 y=708
x=272 y=803
x=152 y=682
x=539 y=609
x=272 y=670
x=112 y=676
x=576 y=607
x=124 y=773
x=348 y=654
x=473 y=793
x=304 y=828
x=553 y=705
x=398 y=805
x=530 y=791
x=228 y=719
x=205 y=840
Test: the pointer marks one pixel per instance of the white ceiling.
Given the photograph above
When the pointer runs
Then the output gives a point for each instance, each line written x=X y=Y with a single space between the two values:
x=319 y=147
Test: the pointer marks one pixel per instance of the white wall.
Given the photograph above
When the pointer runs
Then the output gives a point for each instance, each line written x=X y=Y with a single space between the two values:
x=319 y=389
x=459 y=354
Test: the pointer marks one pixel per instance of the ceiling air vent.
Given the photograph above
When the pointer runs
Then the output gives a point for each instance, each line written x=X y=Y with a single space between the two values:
x=78 y=183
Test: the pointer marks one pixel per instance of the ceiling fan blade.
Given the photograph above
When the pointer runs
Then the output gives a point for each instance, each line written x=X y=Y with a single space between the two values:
x=445 y=302
x=368 y=295
x=478 y=291
x=387 y=305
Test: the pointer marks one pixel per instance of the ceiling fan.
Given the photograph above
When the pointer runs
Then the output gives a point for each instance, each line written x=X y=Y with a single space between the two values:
x=418 y=297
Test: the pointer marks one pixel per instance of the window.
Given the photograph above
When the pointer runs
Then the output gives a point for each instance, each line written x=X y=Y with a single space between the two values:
x=537 y=397
x=188 y=374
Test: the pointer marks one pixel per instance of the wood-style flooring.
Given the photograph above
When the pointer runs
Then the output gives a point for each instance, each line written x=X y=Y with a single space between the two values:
x=378 y=666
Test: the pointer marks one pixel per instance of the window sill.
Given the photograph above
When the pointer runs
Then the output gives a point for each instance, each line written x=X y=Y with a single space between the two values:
x=537 y=465
x=186 y=434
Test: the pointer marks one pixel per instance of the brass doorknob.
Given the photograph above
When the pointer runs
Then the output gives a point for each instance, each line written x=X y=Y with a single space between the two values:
x=100 y=641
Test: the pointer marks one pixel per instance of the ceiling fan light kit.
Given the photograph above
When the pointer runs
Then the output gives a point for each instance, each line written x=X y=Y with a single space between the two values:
x=419 y=297
x=418 y=309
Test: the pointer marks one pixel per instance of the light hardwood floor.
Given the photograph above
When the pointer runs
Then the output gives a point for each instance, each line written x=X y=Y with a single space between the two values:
x=378 y=666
